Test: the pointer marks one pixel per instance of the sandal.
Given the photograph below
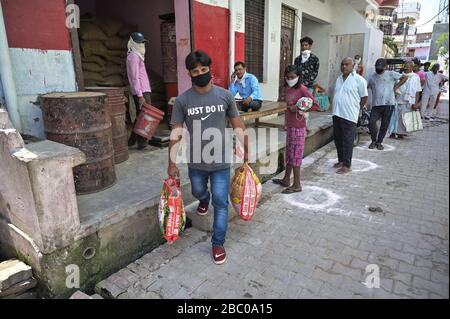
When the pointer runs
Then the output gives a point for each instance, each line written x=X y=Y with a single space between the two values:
x=291 y=190
x=279 y=182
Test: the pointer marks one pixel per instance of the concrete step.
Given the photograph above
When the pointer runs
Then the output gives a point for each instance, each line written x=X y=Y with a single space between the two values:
x=205 y=223
x=13 y=272
x=120 y=225
x=18 y=289
x=117 y=285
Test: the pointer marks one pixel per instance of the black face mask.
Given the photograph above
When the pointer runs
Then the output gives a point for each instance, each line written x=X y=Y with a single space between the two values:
x=202 y=80
x=379 y=71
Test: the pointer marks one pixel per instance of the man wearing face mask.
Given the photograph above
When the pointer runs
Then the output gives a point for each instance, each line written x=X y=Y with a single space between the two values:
x=383 y=84
x=206 y=108
x=247 y=85
x=139 y=81
x=308 y=63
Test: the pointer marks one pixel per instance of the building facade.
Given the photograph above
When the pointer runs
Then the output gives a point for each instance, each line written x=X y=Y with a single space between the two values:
x=421 y=49
x=266 y=34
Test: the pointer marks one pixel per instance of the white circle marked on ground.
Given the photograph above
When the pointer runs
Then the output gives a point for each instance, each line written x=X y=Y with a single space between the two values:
x=358 y=165
x=307 y=161
x=313 y=198
x=365 y=146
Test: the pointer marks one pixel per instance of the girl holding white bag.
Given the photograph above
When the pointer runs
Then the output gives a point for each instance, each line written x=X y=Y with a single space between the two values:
x=407 y=98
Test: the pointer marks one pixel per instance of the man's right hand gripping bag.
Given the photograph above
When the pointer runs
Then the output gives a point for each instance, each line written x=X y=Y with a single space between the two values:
x=245 y=192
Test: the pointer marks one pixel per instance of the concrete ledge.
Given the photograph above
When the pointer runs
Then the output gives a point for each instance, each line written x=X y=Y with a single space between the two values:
x=117 y=285
x=120 y=225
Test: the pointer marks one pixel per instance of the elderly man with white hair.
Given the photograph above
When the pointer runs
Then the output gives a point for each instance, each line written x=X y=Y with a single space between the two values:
x=407 y=97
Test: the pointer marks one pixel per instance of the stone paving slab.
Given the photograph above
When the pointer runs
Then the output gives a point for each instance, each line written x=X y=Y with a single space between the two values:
x=391 y=213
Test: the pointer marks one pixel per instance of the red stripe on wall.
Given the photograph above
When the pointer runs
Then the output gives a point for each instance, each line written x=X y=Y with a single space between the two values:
x=36 y=24
x=239 y=46
x=212 y=35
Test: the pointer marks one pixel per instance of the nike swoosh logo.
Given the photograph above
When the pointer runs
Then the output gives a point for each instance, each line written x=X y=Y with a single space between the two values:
x=204 y=118
x=217 y=256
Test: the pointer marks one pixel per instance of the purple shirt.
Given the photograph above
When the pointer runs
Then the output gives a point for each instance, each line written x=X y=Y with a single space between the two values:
x=137 y=75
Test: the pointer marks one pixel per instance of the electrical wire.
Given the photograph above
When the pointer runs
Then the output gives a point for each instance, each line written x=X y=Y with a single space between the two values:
x=432 y=18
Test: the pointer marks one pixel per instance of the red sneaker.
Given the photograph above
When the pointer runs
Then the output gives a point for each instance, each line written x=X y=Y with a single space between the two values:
x=219 y=255
x=202 y=209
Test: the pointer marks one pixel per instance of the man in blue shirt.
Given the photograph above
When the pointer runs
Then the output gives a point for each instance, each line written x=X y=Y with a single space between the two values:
x=247 y=85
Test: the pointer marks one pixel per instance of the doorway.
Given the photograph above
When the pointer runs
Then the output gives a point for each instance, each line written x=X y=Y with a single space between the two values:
x=287 y=45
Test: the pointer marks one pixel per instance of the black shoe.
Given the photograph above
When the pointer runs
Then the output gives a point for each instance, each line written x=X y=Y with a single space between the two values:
x=372 y=145
x=132 y=141
x=142 y=145
x=380 y=147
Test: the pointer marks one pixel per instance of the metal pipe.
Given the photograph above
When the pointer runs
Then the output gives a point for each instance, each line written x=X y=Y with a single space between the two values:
x=7 y=78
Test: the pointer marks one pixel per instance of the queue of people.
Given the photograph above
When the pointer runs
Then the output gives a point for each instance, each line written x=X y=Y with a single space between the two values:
x=393 y=95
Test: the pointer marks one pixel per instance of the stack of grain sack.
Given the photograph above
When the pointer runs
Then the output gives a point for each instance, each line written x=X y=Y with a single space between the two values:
x=104 y=47
x=103 y=44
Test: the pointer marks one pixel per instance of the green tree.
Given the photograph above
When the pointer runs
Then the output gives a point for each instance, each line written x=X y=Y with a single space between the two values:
x=391 y=44
x=442 y=45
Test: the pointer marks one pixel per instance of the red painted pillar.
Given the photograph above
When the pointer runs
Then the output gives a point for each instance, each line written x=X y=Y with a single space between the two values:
x=212 y=34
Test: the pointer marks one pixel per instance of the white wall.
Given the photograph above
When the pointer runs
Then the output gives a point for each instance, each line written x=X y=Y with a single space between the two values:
x=348 y=21
x=314 y=8
x=323 y=20
x=39 y=72
x=237 y=24
x=183 y=30
x=320 y=33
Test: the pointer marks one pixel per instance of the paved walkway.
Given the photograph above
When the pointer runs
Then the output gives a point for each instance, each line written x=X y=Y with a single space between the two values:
x=392 y=211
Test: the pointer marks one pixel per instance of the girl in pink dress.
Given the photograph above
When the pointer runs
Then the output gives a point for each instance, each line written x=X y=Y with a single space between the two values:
x=296 y=128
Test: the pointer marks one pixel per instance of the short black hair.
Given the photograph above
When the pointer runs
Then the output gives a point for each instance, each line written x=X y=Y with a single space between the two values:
x=427 y=63
x=297 y=70
x=308 y=40
x=238 y=63
x=197 y=57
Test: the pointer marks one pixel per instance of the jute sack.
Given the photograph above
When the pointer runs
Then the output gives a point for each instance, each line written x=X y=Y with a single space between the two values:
x=91 y=48
x=119 y=53
x=114 y=80
x=93 y=67
x=113 y=69
x=95 y=59
x=90 y=32
x=117 y=43
x=109 y=26
x=93 y=76
x=116 y=60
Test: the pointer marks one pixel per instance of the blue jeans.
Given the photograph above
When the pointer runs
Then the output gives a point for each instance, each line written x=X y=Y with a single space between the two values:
x=220 y=186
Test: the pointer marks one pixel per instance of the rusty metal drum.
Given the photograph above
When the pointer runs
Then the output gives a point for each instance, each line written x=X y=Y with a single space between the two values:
x=117 y=109
x=82 y=120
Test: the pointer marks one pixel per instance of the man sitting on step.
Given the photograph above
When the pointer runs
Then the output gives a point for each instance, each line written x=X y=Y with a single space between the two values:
x=247 y=85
